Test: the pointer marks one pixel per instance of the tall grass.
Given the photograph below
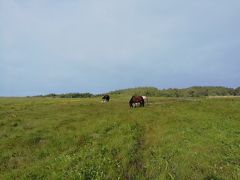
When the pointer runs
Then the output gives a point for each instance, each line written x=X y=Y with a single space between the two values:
x=85 y=139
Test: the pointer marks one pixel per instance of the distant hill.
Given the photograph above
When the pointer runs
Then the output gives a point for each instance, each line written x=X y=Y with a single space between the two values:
x=148 y=91
x=195 y=91
x=68 y=95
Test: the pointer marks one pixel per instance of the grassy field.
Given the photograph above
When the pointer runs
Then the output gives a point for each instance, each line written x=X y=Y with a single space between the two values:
x=53 y=138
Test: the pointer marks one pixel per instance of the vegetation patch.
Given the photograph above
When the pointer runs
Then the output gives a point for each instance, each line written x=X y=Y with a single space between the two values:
x=170 y=138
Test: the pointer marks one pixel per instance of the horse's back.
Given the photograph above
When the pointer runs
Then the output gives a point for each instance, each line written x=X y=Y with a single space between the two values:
x=136 y=100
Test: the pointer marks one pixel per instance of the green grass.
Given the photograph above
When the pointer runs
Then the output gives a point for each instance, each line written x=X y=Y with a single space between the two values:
x=53 y=138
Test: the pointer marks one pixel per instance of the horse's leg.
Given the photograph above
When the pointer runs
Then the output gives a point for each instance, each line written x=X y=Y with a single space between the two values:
x=131 y=105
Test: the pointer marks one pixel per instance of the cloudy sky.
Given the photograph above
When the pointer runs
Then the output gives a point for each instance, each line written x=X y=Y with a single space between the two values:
x=59 y=46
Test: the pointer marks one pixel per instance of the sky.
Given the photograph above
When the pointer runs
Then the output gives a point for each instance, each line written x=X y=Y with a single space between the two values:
x=96 y=46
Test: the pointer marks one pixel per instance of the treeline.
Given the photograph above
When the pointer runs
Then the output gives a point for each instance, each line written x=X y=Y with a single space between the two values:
x=68 y=95
x=199 y=92
x=196 y=91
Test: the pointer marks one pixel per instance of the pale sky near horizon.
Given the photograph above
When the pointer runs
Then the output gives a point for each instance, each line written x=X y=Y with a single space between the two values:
x=61 y=46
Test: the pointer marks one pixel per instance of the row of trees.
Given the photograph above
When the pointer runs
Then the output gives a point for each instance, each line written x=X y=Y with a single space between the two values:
x=199 y=92
x=196 y=91
x=69 y=95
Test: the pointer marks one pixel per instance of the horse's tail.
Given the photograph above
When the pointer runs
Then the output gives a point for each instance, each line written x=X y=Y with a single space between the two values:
x=142 y=102
x=131 y=102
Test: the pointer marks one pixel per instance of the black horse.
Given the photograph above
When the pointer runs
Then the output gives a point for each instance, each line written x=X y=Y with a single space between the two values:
x=135 y=100
x=106 y=98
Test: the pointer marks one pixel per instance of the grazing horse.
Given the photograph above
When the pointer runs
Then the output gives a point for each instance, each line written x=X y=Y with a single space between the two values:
x=106 y=98
x=135 y=100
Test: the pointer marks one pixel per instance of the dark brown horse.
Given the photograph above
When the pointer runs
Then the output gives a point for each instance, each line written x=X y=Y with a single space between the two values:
x=135 y=100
